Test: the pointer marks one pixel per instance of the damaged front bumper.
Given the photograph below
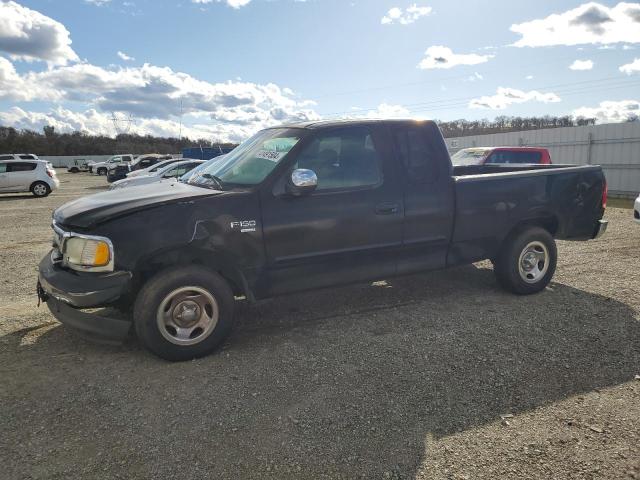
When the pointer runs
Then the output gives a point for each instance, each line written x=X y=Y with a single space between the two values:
x=66 y=293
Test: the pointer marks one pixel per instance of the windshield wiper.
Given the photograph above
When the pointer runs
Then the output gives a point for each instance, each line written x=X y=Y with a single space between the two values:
x=219 y=184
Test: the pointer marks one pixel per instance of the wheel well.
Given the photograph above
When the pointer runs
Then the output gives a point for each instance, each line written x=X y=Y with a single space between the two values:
x=189 y=256
x=550 y=224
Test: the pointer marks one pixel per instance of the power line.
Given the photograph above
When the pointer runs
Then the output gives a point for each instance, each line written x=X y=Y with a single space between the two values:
x=562 y=88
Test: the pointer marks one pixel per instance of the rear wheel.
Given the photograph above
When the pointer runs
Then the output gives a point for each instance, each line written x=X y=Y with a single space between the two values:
x=102 y=171
x=527 y=261
x=184 y=313
x=74 y=170
x=40 y=189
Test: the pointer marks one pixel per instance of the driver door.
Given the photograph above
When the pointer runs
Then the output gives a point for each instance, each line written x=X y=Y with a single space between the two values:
x=349 y=229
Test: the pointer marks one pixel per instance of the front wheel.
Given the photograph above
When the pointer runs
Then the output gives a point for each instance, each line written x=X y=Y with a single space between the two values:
x=102 y=171
x=184 y=313
x=527 y=261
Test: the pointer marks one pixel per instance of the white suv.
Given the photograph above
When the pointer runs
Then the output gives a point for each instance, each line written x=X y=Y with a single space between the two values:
x=35 y=176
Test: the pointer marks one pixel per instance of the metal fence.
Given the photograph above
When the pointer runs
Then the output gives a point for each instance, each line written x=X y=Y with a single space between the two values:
x=614 y=146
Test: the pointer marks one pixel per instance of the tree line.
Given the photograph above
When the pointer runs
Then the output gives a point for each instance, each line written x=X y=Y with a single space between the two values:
x=504 y=124
x=51 y=142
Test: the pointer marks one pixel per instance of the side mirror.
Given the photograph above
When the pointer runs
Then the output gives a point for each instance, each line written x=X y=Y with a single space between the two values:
x=302 y=182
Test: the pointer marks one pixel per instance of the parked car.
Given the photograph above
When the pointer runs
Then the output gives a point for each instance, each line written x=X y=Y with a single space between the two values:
x=78 y=165
x=153 y=168
x=301 y=207
x=101 y=168
x=18 y=156
x=185 y=178
x=119 y=172
x=501 y=155
x=35 y=176
x=171 y=171
x=636 y=209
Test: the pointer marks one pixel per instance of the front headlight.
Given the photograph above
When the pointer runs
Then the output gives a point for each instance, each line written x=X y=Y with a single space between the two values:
x=90 y=254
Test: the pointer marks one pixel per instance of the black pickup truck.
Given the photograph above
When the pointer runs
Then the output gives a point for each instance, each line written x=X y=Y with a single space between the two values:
x=301 y=207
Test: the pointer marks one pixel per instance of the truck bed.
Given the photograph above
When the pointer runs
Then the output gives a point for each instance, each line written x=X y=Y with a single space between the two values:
x=493 y=199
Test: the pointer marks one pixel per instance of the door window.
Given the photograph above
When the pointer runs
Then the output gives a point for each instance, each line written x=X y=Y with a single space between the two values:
x=20 y=166
x=343 y=159
x=6 y=157
x=417 y=155
x=3 y=167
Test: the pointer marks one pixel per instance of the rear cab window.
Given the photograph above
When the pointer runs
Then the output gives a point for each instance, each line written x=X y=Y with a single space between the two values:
x=417 y=154
x=510 y=157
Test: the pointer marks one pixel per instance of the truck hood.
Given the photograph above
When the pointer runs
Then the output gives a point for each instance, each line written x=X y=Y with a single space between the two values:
x=88 y=211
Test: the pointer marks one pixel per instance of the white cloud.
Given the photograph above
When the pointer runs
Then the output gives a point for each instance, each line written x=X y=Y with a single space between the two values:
x=630 y=68
x=475 y=77
x=157 y=96
x=231 y=3
x=589 y=23
x=125 y=57
x=26 y=34
x=611 y=111
x=98 y=3
x=443 y=57
x=406 y=16
x=505 y=97
x=581 y=65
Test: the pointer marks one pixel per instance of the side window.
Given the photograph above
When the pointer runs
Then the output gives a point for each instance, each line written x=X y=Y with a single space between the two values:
x=26 y=157
x=343 y=159
x=20 y=167
x=3 y=167
x=6 y=157
x=417 y=155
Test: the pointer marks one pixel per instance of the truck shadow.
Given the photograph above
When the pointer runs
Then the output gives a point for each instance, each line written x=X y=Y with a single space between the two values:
x=349 y=380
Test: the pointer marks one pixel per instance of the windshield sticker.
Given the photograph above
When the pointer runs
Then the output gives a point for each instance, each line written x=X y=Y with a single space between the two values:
x=270 y=155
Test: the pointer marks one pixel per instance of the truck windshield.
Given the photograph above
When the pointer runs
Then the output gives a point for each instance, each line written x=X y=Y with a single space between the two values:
x=469 y=156
x=251 y=161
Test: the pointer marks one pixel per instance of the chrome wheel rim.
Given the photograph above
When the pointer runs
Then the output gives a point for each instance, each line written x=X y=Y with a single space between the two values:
x=533 y=262
x=187 y=316
x=40 y=190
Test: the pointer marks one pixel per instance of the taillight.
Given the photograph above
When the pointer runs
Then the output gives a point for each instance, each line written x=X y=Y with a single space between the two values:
x=605 y=191
x=50 y=173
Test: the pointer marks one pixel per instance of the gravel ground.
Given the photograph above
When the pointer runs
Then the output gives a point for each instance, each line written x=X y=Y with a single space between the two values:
x=434 y=376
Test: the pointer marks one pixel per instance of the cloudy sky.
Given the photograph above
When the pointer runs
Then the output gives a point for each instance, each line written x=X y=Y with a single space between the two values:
x=230 y=67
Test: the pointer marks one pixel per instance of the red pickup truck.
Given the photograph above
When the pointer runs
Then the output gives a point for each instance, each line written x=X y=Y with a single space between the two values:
x=508 y=155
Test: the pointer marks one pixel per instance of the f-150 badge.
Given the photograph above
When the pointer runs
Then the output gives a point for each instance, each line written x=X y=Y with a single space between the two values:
x=244 y=226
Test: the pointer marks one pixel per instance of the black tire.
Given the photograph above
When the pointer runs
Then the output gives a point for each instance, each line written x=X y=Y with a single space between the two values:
x=74 y=170
x=102 y=171
x=520 y=267
x=163 y=286
x=40 y=189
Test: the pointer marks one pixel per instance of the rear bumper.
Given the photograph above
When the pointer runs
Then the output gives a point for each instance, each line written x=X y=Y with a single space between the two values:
x=66 y=293
x=636 y=210
x=600 y=229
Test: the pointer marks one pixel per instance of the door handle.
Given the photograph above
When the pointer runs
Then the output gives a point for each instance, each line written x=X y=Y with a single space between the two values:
x=387 y=209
